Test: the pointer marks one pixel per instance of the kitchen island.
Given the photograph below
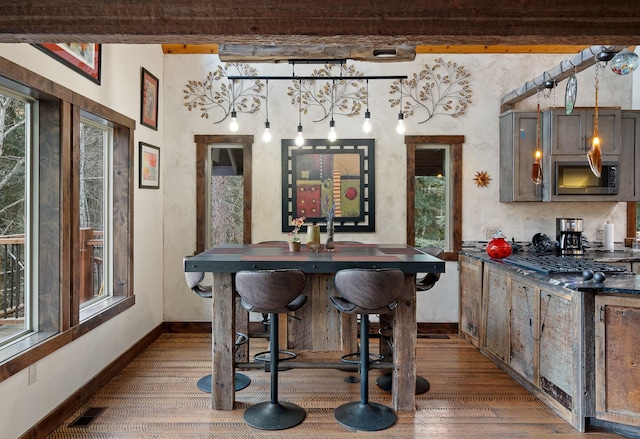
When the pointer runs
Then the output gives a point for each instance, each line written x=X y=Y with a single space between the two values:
x=572 y=342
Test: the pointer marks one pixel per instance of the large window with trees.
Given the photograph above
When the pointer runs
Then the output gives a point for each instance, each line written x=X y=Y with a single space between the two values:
x=15 y=162
x=66 y=203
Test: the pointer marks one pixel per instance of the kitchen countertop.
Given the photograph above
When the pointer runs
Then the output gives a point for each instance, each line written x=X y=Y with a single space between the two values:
x=624 y=283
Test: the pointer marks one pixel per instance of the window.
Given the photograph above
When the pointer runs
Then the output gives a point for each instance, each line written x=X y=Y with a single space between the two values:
x=226 y=209
x=66 y=202
x=434 y=192
x=94 y=212
x=15 y=201
x=215 y=156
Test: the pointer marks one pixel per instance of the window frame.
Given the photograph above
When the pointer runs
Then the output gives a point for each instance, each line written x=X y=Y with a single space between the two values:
x=455 y=157
x=57 y=137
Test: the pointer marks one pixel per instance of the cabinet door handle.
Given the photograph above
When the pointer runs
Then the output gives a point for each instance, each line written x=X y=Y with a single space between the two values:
x=600 y=309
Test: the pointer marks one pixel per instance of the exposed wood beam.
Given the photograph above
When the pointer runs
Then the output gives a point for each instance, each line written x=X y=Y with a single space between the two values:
x=361 y=23
x=566 y=68
x=208 y=49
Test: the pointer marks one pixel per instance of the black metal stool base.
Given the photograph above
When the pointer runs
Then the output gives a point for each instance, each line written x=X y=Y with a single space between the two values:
x=265 y=356
x=242 y=381
x=384 y=382
x=274 y=416
x=365 y=417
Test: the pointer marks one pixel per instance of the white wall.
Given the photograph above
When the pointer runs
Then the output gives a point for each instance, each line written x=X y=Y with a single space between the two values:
x=67 y=369
x=492 y=76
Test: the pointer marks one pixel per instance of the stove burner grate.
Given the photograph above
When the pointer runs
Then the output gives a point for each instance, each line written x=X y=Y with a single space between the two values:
x=550 y=264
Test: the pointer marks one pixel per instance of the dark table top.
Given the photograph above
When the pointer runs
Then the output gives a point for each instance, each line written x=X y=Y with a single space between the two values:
x=231 y=258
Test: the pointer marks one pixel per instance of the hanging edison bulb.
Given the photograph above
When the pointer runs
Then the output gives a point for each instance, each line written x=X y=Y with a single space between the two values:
x=536 y=168
x=594 y=155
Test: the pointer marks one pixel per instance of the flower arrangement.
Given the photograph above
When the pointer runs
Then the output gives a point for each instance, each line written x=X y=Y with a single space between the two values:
x=296 y=223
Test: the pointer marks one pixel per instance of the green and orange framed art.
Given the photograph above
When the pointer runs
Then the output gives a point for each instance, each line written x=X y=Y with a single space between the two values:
x=323 y=175
x=84 y=58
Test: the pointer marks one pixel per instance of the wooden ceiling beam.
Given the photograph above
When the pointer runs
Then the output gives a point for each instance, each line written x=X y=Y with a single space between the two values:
x=212 y=49
x=361 y=23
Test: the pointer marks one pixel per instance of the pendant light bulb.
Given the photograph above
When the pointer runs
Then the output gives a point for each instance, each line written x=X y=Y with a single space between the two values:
x=332 y=131
x=266 y=136
x=300 y=137
x=233 y=126
x=400 y=128
x=366 y=126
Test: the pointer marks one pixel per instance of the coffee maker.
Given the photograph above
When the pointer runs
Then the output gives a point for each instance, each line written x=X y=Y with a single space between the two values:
x=569 y=236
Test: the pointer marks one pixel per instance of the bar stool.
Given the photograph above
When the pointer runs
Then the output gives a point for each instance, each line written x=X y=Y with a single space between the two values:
x=364 y=292
x=194 y=281
x=423 y=283
x=273 y=292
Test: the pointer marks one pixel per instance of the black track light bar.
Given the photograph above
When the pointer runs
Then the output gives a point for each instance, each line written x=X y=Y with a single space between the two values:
x=312 y=78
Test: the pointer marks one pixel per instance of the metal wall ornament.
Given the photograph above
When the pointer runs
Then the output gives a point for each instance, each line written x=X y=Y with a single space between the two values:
x=336 y=97
x=443 y=88
x=217 y=97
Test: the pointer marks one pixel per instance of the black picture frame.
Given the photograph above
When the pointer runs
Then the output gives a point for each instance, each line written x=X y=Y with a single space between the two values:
x=84 y=58
x=323 y=174
x=149 y=166
x=149 y=92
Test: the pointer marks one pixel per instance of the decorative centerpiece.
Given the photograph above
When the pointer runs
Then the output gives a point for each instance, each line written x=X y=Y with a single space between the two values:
x=293 y=239
x=329 y=246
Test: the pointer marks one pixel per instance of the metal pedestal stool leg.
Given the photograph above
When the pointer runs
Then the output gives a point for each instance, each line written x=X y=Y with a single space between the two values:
x=365 y=415
x=384 y=381
x=242 y=380
x=275 y=292
x=365 y=292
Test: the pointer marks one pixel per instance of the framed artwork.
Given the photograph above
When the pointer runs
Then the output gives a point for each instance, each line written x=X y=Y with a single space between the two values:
x=84 y=58
x=321 y=176
x=149 y=100
x=149 y=166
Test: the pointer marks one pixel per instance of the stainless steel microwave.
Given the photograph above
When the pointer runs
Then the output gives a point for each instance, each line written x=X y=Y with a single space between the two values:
x=576 y=178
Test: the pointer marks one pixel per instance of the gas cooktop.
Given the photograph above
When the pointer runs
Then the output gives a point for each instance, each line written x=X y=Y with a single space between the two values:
x=551 y=264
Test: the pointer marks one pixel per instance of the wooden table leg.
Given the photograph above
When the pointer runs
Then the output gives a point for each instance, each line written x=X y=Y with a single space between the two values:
x=222 y=339
x=404 y=337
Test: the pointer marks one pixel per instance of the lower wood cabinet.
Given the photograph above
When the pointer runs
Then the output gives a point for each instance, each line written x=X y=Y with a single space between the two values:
x=530 y=329
x=470 y=300
x=578 y=352
x=617 y=325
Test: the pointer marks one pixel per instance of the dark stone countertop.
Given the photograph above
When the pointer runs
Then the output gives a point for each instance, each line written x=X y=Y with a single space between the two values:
x=624 y=283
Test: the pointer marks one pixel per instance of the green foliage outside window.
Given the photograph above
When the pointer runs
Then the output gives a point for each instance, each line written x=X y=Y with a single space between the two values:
x=430 y=211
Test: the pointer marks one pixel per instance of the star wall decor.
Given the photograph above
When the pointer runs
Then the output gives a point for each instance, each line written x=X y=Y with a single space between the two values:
x=482 y=179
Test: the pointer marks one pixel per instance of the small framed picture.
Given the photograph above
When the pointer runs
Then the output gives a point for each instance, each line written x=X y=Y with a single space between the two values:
x=149 y=100
x=149 y=166
x=84 y=58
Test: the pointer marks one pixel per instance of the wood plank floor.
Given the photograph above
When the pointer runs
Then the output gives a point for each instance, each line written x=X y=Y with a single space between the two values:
x=156 y=397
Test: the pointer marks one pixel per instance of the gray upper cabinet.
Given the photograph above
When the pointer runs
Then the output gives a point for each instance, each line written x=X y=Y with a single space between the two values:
x=572 y=134
x=567 y=138
x=517 y=148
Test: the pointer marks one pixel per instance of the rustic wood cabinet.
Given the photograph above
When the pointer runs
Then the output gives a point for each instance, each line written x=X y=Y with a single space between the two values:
x=617 y=326
x=535 y=333
x=572 y=134
x=470 y=301
x=523 y=329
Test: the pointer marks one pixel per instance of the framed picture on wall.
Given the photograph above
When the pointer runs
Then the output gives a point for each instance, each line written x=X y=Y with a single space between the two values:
x=324 y=176
x=149 y=100
x=84 y=58
x=149 y=166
